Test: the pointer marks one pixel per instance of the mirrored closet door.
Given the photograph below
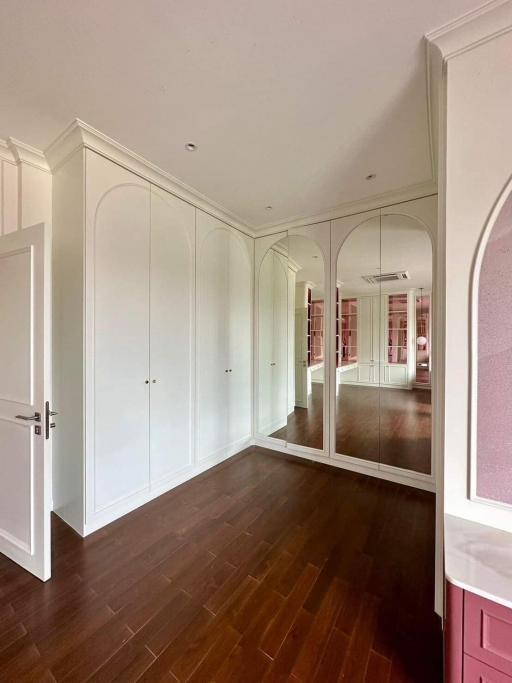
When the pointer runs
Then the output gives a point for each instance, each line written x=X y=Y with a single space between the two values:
x=405 y=396
x=358 y=343
x=291 y=337
x=383 y=342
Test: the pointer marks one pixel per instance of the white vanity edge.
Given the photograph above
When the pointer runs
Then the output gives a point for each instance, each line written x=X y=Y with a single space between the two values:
x=478 y=558
x=348 y=366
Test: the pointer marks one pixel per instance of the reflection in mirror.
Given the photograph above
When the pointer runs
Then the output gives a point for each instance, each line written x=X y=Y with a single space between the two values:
x=272 y=340
x=358 y=343
x=383 y=328
x=405 y=396
x=306 y=344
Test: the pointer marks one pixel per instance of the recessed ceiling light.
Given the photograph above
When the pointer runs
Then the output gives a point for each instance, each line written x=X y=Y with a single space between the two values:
x=269 y=208
x=190 y=147
x=371 y=176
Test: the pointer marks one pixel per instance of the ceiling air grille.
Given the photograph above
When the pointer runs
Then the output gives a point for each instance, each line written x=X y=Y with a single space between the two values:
x=387 y=277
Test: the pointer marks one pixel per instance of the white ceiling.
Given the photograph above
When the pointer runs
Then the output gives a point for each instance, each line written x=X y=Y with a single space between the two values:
x=292 y=103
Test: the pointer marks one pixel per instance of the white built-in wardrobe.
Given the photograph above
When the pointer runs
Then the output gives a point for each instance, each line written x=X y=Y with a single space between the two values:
x=152 y=340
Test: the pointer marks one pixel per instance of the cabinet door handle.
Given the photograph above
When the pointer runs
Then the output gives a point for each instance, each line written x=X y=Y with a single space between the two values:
x=154 y=381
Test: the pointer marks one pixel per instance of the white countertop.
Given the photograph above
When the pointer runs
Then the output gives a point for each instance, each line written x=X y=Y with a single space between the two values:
x=478 y=558
x=347 y=366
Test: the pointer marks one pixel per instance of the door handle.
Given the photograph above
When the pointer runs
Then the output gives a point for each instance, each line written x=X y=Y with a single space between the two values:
x=47 y=414
x=36 y=417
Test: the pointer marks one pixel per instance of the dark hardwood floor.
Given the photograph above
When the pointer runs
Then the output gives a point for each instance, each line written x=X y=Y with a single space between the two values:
x=392 y=426
x=265 y=568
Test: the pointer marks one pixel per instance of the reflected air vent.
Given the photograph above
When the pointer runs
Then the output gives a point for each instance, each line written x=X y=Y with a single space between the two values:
x=386 y=277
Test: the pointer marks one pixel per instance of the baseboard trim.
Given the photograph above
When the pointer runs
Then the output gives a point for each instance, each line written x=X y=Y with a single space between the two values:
x=371 y=469
x=142 y=497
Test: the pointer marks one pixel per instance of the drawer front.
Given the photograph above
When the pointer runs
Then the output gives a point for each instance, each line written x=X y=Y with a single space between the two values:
x=488 y=632
x=478 y=672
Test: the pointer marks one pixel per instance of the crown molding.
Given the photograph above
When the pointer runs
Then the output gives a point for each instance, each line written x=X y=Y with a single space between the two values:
x=378 y=201
x=472 y=29
x=26 y=154
x=79 y=135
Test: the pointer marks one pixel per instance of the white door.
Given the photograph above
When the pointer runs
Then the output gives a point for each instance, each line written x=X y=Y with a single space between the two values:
x=266 y=421
x=239 y=340
x=172 y=335
x=301 y=357
x=213 y=341
x=280 y=341
x=117 y=359
x=224 y=330
x=25 y=450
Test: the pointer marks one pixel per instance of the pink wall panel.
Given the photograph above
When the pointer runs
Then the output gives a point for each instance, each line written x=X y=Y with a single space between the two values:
x=494 y=427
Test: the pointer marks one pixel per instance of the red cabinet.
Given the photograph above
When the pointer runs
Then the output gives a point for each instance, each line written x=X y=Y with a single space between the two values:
x=478 y=639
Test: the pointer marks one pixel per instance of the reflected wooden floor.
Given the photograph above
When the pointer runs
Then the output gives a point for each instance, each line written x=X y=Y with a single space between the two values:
x=390 y=425
x=265 y=568
x=305 y=425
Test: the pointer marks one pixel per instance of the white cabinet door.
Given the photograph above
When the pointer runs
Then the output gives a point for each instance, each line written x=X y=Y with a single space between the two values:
x=239 y=338
x=224 y=277
x=172 y=334
x=280 y=341
x=265 y=279
x=272 y=342
x=117 y=334
x=368 y=339
x=25 y=455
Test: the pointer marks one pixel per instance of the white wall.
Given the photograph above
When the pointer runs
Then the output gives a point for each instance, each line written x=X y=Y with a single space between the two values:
x=25 y=187
x=478 y=167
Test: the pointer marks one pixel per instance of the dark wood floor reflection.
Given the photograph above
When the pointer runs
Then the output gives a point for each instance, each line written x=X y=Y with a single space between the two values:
x=392 y=426
x=262 y=569
x=305 y=426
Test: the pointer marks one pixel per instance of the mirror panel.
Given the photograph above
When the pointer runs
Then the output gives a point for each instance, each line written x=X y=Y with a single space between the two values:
x=405 y=396
x=306 y=344
x=358 y=343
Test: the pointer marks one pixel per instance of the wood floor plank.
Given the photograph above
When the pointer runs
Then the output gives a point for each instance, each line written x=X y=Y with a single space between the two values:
x=278 y=629
x=265 y=568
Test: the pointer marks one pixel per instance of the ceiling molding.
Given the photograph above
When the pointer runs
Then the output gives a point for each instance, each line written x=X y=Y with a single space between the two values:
x=20 y=152
x=80 y=135
x=379 y=201
x=472 y=29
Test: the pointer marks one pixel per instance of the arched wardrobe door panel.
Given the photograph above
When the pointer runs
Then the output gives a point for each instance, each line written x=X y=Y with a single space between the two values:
x=272 y=280
x=118 y=261
x=358 y=340
x=172 y=304
x=239 y=340
x=405 y=399
x=307 y=337
x=224 y=332
x=492 y=361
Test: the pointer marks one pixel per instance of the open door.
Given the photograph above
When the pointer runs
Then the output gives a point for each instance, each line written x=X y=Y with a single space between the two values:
x=25 y=451
x=301 y=357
